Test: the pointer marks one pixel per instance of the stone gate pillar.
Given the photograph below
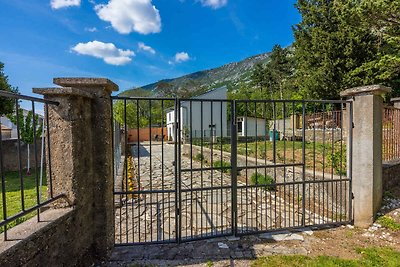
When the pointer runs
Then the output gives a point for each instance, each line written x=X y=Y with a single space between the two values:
x=396 y=102
x=367 y=151
x=82 y=153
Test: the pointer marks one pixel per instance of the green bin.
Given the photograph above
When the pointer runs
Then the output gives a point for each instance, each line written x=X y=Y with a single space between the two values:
x=272 y=136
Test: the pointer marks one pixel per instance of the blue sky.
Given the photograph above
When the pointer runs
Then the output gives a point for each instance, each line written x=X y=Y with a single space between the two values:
x=135 y=42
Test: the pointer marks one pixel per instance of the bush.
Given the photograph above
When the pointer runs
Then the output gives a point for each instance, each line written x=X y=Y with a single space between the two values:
x=337 y=160
x=222 y=164
x=259 y=179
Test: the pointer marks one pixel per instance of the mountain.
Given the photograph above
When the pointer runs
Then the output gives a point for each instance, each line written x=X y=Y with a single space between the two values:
x=230 y=74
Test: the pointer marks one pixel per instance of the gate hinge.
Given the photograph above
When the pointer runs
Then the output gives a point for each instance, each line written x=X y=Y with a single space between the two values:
x=173 y=163
x=352 y=195
x=352 y=125
x=178 y=211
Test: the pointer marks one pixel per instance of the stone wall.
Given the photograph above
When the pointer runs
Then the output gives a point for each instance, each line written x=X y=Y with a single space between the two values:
x=10 y=154
x=391 y=176
x=56 y=241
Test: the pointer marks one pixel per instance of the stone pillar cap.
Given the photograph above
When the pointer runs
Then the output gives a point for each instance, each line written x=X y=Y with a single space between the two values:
x=376 y=89
x=87 y=83
x=396 y=99
x=62 y=91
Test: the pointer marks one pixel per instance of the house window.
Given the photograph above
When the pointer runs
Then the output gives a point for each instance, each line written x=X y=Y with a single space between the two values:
x=240 y=127
x=169 y=116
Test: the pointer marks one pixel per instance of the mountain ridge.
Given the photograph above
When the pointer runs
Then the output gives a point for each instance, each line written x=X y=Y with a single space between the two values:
x=228 y=74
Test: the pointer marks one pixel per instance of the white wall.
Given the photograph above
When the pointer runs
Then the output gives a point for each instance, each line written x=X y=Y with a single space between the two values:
x=170 y=125
x=250 y=125
x=197 y=116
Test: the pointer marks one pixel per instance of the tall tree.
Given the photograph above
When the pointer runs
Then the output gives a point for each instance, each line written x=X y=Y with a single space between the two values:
x=29 y=127
x=271 y=80
x=6 y=104
x=330 y=42
x=382 y=18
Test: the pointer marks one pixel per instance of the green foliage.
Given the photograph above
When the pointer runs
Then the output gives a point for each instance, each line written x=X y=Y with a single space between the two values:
x=141 y=114
x=26 y=126
x=346 y=43
x=382 y=18
x=260 y=179
x=369 y=257
x=6 y=105
x=222 y=164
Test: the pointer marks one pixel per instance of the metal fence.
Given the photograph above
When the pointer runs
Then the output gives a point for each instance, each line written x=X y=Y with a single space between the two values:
x=391 y=134
x=25 y=190
x=325 y=119
x=197 y=187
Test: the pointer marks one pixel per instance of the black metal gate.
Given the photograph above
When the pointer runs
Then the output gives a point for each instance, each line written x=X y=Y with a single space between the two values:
x=201 y=168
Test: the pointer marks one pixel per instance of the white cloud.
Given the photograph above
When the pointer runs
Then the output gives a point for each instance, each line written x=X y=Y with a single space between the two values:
x=146 y=48
x=56 y=4
x=106 y=51
x=180 y=57
x=215 y=4
x=127 y=16
x=92 y=29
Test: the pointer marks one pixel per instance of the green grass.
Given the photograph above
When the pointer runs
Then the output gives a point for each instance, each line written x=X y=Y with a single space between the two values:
x=388 y=223
x=369 y=257
x=260 y=179
x=222 y=164
x=13 y=195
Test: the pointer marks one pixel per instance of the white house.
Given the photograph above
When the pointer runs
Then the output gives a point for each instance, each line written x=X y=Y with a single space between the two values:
x=251 y=127
x=11 y=127
x=200 y=116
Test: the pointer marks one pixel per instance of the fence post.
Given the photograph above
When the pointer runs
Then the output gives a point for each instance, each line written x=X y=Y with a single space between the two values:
x=367 y=151
x=396 y=102
x=82 y=153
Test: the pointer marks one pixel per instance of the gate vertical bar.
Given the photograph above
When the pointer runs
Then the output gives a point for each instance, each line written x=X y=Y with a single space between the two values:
x=113 y=133
x=234 y=168
x=177 y=159
x=179 y=139
x=175 y=169
x=350 y=161
x=303 y=126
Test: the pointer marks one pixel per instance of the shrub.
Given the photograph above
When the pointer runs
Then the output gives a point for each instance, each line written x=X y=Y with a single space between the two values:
x=259 y=179
x=222 y=164
x=337 y=160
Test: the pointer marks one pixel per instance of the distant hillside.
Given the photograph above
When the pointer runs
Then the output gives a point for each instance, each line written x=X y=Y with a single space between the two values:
x=201 y=81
